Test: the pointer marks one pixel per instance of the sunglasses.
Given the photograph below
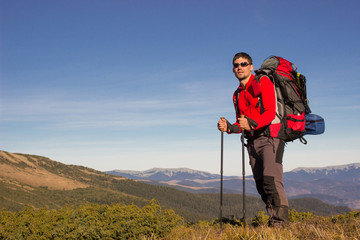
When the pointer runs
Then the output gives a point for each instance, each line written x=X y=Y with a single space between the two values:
x=242 y=64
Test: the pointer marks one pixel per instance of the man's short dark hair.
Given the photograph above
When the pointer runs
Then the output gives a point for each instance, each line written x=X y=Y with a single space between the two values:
x=243 y=55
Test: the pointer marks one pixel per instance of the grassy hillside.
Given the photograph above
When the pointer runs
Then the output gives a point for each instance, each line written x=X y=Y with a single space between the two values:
x=41 y=182
x=119 y=221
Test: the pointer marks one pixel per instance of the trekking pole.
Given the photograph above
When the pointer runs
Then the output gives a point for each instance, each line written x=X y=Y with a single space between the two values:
x=221 y=175
x=243 y=171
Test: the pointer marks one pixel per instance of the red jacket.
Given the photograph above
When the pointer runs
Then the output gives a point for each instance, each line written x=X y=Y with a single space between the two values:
x=248 y=102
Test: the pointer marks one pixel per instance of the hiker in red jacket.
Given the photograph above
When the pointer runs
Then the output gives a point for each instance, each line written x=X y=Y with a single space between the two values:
x=265 y=150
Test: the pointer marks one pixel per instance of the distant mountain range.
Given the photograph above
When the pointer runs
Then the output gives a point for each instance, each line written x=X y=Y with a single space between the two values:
x=339 y=185
x=167 y=174
x=346 y=173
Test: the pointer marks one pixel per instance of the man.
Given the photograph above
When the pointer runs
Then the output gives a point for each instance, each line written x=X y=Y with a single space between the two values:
x=256 y=120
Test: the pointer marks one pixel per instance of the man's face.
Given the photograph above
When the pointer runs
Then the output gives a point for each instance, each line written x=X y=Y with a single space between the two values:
x=242 y=72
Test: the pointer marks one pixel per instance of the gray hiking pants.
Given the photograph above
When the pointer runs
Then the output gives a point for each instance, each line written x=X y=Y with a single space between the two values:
x=266 y=155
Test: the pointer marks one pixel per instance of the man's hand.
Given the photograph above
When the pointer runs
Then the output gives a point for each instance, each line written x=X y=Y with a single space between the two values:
x=222 y=124
x=244 y=124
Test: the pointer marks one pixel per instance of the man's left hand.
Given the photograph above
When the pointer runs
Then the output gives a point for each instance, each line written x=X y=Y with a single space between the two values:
x=244 y=124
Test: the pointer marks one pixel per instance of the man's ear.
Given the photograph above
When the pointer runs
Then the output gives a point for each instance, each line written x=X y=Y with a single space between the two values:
x=251 y=67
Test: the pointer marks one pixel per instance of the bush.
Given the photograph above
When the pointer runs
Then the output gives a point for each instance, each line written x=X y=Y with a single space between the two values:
x=89 y=221
x=261 y=219
x=294 y=216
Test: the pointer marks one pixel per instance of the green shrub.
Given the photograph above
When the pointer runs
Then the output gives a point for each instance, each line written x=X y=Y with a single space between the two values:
x=295 y=216
x=344 y=217
x=89 y=221
x=261 y=219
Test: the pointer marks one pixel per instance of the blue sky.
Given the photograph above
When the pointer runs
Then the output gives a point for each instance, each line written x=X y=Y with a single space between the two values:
x=135 y=84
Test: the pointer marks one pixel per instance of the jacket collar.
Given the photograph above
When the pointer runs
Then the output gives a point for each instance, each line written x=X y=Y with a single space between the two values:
x=248 y=83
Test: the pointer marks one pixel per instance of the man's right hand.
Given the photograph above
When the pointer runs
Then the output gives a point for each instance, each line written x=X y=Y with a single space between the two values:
x=222 y=124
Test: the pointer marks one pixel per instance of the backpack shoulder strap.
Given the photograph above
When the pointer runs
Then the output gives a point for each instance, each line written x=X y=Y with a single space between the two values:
x=236 y=101
x=258 y=76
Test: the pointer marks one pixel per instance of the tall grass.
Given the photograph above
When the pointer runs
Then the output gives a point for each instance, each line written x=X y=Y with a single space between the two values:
x=301 y=226
x=292 y=231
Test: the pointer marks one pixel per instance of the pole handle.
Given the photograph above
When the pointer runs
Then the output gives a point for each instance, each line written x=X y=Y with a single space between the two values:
x=222 y=118
x=242 y=116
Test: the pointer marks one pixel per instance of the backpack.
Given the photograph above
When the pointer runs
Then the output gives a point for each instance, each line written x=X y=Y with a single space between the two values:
x=292 y=109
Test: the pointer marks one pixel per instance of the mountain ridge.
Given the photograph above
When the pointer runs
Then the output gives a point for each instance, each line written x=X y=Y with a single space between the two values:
x=328 y=168
x=337 y=185
x=166 y=173
x=189 y=170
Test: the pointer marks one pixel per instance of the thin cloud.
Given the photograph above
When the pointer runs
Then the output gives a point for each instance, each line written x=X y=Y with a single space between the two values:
x=63 y=112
